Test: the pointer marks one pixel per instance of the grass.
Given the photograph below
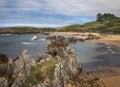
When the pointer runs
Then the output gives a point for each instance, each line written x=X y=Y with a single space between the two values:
x=44 y=71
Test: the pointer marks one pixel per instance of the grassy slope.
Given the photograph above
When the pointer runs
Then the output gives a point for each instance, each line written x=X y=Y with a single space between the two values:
x=107 y=25
x=41 y=72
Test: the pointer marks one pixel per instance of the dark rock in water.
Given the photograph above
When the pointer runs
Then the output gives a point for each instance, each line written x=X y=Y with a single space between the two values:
x=3 y=58
x=60 y=41
x=51 y=38
x=72 y=39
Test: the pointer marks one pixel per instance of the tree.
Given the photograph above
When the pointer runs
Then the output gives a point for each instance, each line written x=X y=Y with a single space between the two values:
x=99 y=17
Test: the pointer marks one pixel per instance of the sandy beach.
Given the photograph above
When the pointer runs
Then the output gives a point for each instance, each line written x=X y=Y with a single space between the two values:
x=109 y=39
x=109 y=79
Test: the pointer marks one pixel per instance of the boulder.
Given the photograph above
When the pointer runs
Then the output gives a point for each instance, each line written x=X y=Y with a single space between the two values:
x=3 y=58
x=43 y=58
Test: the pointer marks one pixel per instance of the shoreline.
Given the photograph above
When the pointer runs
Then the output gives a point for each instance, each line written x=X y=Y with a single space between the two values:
x=109 y=75
x=107 y=39
x=109 y=78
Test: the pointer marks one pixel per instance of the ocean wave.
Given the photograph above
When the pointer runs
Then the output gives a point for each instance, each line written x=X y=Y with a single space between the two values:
x=27 y=43
x=39 y=40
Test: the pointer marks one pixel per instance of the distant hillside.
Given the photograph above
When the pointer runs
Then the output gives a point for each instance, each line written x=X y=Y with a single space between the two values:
x=22 y=30
x=105 y=23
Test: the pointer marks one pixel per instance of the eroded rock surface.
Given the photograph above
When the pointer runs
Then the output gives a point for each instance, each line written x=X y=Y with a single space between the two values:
x=58 y=67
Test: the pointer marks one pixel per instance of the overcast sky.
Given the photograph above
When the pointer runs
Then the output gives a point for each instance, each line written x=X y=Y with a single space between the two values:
x=53 y=13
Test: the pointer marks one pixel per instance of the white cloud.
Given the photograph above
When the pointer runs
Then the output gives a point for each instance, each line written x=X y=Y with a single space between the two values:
x=20 y=11
x=66 y=7
x=83 y=7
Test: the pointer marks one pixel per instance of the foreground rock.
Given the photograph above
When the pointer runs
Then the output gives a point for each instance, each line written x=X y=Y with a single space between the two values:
x=13 y=72
x=58 y=67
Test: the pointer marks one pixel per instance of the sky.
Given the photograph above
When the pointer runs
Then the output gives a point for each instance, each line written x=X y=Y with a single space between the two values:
x=53 y=13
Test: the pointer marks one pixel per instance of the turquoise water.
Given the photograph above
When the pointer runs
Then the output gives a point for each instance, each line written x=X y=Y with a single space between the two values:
x=91 y=54
x=12 y=45
x=87 y=51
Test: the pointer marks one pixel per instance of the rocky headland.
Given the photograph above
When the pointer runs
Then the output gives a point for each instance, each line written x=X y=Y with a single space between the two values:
x=58 y=67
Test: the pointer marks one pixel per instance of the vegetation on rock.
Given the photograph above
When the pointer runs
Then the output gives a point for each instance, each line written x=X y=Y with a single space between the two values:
x=41 y=72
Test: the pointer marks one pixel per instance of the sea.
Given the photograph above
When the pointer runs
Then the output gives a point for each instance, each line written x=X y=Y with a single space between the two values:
x=92 y=55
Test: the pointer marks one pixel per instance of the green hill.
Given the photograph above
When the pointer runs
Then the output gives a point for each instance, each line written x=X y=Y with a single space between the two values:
x=24 y=30
x=105 y=23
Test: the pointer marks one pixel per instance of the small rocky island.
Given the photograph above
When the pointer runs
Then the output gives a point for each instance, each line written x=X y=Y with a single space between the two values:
x=58 y=67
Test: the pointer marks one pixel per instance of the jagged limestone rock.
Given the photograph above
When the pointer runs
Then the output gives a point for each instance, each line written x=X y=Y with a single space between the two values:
x=59 y=67
x=67 y=70
x=44 y=58
x=3 y=82
x=21 y=68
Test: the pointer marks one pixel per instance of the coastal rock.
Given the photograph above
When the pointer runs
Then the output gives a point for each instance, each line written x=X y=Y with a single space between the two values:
x=51 y=38
x=62 y=53
x=3 y=58
x=57 y=52
x=44 y=58
x=3 y=82
x=5 y=66
x=67 y=70
x=58 y=67
x=22 y=62
x=53 y=51
x=70 y=51
x=60 y=41
x=21 y=68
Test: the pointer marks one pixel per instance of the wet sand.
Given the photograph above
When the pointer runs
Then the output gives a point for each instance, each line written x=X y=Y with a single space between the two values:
x=113 y=81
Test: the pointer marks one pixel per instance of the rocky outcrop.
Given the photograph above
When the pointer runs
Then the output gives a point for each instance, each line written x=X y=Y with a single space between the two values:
x=74 y=38
x=3 y=82
x=21 y=68
x=43 y=58
x=58 y=67
x=14 y=72
x=3 y=58
x=60 y=41
x=67 y=71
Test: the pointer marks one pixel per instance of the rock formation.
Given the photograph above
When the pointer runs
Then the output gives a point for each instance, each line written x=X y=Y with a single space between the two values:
x=13 y=72
x=75 y=38
x=58 y=67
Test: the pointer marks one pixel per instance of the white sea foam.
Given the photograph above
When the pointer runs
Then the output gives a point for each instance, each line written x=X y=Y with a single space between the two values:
x=27 y=43
x=42 y=39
